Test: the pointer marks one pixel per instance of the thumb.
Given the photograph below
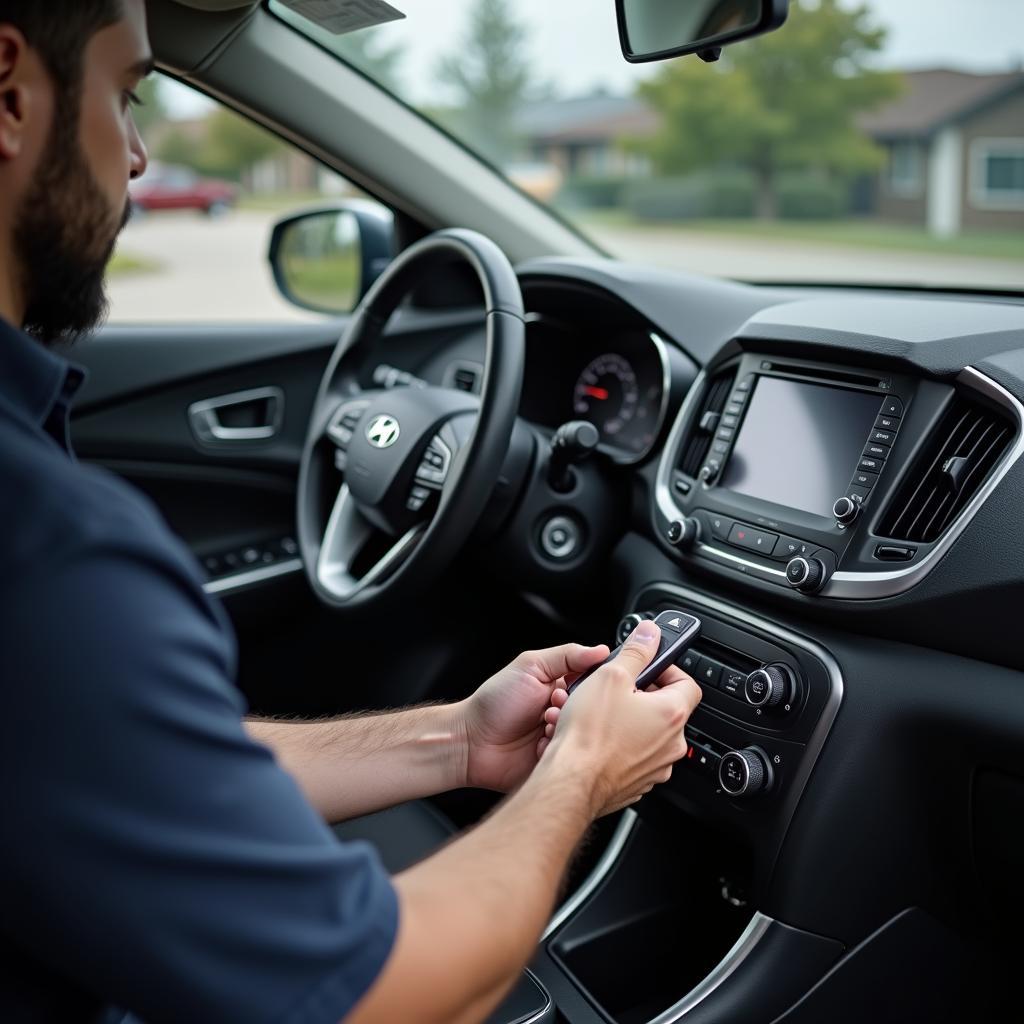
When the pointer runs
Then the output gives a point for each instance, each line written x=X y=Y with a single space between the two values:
x=639 y=649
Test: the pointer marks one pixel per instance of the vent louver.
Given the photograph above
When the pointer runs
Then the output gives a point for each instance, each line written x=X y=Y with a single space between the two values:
x=962 y=451
x=706 y=421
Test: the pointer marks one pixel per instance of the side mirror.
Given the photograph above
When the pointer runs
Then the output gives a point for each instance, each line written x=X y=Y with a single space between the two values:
x=659 y=29
x=326 y=259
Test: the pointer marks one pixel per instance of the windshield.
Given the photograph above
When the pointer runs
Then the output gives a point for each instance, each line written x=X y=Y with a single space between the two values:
x=863 y=143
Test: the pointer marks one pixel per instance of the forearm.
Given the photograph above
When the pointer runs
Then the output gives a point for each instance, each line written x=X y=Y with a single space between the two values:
x=359 y=764
x=472 y=914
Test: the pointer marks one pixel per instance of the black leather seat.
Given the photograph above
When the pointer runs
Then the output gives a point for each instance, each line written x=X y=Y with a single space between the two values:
x=403 y=835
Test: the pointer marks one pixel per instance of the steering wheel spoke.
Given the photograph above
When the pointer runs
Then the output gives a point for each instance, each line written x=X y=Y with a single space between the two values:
x=346 y=541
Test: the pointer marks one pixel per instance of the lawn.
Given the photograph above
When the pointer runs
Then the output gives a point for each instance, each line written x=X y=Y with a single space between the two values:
x=124 y=263
x=860 y=234
x=282 y=202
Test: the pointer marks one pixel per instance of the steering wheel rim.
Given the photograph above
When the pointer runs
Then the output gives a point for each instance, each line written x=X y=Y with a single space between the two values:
x=438 y=418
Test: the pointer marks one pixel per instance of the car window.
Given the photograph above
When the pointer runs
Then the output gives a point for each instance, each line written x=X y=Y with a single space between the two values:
x=196 y=246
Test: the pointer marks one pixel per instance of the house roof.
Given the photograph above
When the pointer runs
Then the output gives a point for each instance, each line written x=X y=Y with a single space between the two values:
x=597 y=116
x=935 y=97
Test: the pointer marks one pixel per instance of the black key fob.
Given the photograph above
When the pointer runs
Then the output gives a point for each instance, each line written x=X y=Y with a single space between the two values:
x=678 y=631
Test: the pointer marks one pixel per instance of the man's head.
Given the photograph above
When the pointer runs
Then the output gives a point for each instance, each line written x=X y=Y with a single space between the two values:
x=68 y=148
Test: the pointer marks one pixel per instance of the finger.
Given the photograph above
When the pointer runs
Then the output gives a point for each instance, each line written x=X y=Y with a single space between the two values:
x=542 y=745
x=551 y=715
x=640 y=647
x=555 y=662
x=559 y=697
x=549 y=730
x=673 y=674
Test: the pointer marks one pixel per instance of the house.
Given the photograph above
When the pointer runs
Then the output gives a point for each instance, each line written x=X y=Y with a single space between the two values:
x=580 y=136
x=955 y=151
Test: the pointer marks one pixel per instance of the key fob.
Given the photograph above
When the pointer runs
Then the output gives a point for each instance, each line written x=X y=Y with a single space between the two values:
x=678 y=631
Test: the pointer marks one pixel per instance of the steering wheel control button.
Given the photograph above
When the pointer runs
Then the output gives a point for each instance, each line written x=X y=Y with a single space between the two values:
x=845 y=510
x=433 y=467
x=743 y=536
x=560 y=538
x=417 y=498
x=744 y=773
x=769 y=687
x=806 y=574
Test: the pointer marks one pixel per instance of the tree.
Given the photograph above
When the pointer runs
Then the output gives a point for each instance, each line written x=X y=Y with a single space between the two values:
x=491 y=77
x=783 y=100
x=364 y=51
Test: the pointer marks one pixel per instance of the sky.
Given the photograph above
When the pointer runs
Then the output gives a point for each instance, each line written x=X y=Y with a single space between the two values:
x=575 y=45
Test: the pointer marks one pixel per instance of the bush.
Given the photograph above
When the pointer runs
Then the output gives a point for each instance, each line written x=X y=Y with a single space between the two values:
x=807 y=197
x=590 y=193
x=723 y=194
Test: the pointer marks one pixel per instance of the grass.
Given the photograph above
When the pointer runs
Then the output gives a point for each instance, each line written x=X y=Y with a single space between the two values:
x=124 y=263
x=859 y=234
x=280 y=202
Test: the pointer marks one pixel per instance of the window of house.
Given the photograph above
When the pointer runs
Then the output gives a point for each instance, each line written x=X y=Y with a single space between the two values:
x=196 y=246
x=997 y=173
x=905 y=169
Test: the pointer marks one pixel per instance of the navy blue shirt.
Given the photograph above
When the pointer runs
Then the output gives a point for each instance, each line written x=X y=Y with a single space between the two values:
x=154 y=858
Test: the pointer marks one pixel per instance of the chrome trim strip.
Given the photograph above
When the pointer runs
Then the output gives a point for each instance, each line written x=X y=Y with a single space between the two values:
x=241 y=580
x=544 y=1013
x=860 y=585
x=743 y=947
x=602 y=869
x=886 y=584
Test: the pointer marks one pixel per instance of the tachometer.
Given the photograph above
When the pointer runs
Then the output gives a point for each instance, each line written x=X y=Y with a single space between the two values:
x=607 y=393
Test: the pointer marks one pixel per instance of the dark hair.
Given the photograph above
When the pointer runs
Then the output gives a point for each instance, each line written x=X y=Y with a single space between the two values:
x=60 y=30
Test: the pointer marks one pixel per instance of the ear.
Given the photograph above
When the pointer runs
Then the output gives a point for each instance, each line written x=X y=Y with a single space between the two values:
x=15 y=91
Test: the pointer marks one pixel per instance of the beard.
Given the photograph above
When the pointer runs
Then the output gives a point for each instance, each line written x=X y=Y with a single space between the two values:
x=64 y=236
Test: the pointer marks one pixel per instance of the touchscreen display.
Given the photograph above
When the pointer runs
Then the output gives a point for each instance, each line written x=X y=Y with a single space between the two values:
x=799 y=444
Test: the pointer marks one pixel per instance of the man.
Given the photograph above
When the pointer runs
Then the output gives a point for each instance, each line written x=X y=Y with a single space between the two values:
x=161 y=856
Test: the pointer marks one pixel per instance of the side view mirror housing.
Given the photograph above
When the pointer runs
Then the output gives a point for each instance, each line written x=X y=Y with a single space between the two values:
x=326 y=258
x=659 y=29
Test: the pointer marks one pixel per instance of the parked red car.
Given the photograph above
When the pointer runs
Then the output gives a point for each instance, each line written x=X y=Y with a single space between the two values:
x=180 y=188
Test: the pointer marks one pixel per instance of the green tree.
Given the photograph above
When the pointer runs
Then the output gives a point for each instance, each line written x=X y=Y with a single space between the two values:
x=784 y=100
x=490 y=76
x=363 y=50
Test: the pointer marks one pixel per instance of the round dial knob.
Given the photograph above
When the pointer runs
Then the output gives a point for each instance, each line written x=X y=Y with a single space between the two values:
x=629 y=623
x=768 y=687
x=845 y=510
x=684 y=533
x=744 y=772
x=805 y=574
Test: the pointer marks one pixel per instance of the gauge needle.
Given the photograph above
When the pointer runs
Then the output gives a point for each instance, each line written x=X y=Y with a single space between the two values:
x=601 y=393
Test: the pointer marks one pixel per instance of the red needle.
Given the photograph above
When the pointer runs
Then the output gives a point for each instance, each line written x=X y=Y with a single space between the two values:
x=601 y=393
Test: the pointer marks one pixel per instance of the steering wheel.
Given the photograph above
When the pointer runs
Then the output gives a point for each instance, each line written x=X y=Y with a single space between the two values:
x=392 y=481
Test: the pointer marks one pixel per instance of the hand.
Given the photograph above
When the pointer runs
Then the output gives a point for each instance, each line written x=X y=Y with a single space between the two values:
x=625 y=740
x=504 y=719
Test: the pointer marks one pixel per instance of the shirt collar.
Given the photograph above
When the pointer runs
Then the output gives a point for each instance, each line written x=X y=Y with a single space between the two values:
x=37 y=382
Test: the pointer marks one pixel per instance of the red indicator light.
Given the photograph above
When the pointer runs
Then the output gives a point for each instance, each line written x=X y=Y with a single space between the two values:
x=741 y=535
x=601 y=393
x=689 y=752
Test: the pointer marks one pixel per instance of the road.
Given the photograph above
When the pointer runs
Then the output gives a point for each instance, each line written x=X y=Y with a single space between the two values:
x=217 y=270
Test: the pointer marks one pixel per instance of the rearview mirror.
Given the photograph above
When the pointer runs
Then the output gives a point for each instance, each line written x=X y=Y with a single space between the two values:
x=326 y=259
x=659 y=29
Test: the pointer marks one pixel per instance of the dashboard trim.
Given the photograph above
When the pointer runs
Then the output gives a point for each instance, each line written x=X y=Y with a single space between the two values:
x=241 y=580
x=849 y=584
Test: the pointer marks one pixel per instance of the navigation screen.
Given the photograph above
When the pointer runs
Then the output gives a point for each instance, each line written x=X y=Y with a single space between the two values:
x=799 y=444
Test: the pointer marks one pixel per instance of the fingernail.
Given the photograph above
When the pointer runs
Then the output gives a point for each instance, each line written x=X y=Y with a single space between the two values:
x=646 y=631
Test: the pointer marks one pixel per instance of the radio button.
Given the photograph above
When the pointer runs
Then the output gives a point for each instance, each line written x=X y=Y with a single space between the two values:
x=876 y=451
x=709 y=673
x=870 y=465
x=859 y=494
x=887 y=423
x=743 y=536
x=688 y=662
x=865 y=480
x=734 y=408
x=720 y=526
x=892 y=407
x=885 y=437
x=733 y=682
x=790 y=547
x=746 y=384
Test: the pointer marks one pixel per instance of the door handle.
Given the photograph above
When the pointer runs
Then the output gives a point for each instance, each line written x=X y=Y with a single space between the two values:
x=253 y=415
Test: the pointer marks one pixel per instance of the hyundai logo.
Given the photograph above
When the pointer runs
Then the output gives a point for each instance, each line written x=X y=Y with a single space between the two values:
x=383 y=431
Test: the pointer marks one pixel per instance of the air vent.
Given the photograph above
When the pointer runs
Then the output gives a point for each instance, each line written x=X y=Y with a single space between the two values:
x=958 y=458
x=705 y=423
x=465 y=377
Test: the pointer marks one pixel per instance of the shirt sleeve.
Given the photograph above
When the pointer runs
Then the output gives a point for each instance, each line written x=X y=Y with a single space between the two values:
x=155 y=854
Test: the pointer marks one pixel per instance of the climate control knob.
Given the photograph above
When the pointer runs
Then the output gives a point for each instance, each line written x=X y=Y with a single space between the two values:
x=744 y=773
x=845 y=510
x=769 y=687
x=808 y=575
